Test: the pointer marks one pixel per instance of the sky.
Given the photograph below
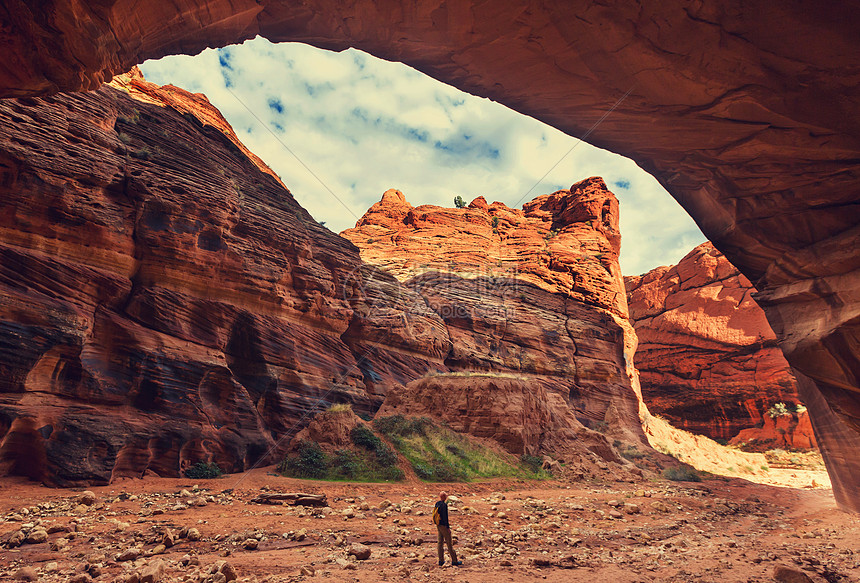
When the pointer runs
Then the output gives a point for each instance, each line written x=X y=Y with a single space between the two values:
x=342 y=128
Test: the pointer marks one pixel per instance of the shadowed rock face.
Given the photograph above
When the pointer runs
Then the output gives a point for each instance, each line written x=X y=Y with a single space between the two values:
x=707 y=358
x=744 y=111
x=158 y=306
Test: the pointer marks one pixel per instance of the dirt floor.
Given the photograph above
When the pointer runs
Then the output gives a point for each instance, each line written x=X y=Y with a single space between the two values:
x=720 y=530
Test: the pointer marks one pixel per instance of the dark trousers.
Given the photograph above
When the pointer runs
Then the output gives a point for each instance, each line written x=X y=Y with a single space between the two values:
x=445 y=538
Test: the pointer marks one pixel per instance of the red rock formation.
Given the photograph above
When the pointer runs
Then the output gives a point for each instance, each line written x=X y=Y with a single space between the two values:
x=790 y=431
x=329 y=429
x=745 y=111
x=707 y=358
x=534 y=292
x=522 y=413
x=159 y=307
x=183 y=102
x=567 y=242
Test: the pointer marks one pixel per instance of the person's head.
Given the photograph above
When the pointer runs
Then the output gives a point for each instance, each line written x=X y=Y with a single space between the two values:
x=443 y=496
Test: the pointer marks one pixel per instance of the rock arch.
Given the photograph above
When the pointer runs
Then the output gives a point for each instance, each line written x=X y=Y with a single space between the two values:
x=744 y=110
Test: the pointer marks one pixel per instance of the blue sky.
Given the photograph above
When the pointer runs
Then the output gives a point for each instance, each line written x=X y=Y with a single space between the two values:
x=342 y=128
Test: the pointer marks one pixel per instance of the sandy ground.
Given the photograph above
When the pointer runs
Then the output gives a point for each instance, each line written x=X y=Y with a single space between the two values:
x=709 y=456
x=720 y=530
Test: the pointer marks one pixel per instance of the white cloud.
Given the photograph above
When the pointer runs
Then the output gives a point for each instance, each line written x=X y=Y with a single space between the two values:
x=364 y=125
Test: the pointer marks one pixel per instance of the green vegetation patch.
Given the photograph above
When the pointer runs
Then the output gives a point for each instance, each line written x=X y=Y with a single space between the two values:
x=371 y=461
x=682 y=474
x=439 y=454
x=780 y=409
x=203 y=471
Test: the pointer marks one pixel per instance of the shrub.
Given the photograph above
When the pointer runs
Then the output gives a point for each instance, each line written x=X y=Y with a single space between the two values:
x=124 y=137
x=142 y=153
x=682 y=474
x=309 y=463
x=446 y=473
x=364 y=437
x=347 y=464
x=532 y=462
x=599 y=426
x=778 y=410
x=392 y=474
x=339 y=408
x=387 y=458
x=631 y=453
x=398 y=425
x=495 y=224
x=133 y=117
x=455 y=450
x=439 y=454
x=459 y=202
x=423 y=471
x=203 y=471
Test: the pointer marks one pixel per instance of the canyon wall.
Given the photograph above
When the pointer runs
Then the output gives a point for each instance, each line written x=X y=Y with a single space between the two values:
x=164 y=300
x=535 y=293
x=746 y=111
x=707 y=358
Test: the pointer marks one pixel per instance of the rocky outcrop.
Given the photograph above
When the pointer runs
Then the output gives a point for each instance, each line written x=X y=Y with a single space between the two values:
x=536 y=293
x=523 y=414
x=330 y=429
x=789 y=431
x=707 y=359
x=744 y=111
x=566 y=242
x=160 y=307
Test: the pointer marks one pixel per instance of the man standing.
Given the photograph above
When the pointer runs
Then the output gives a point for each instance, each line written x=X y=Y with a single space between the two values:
x=440 y=517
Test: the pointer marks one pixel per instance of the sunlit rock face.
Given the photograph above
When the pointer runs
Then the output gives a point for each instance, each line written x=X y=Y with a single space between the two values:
x=745 y=111
x=707 y=359
x=536 y=293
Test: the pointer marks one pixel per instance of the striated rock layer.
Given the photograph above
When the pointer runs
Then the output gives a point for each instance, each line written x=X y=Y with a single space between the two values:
x=790 y=431
x=536 y=292
x=164 y=300
x=708 y=360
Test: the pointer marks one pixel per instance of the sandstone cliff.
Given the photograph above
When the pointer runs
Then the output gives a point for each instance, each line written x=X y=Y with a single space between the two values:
x=534 y=295
x=164 y=300
x=707 y=359
x=792 y=431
